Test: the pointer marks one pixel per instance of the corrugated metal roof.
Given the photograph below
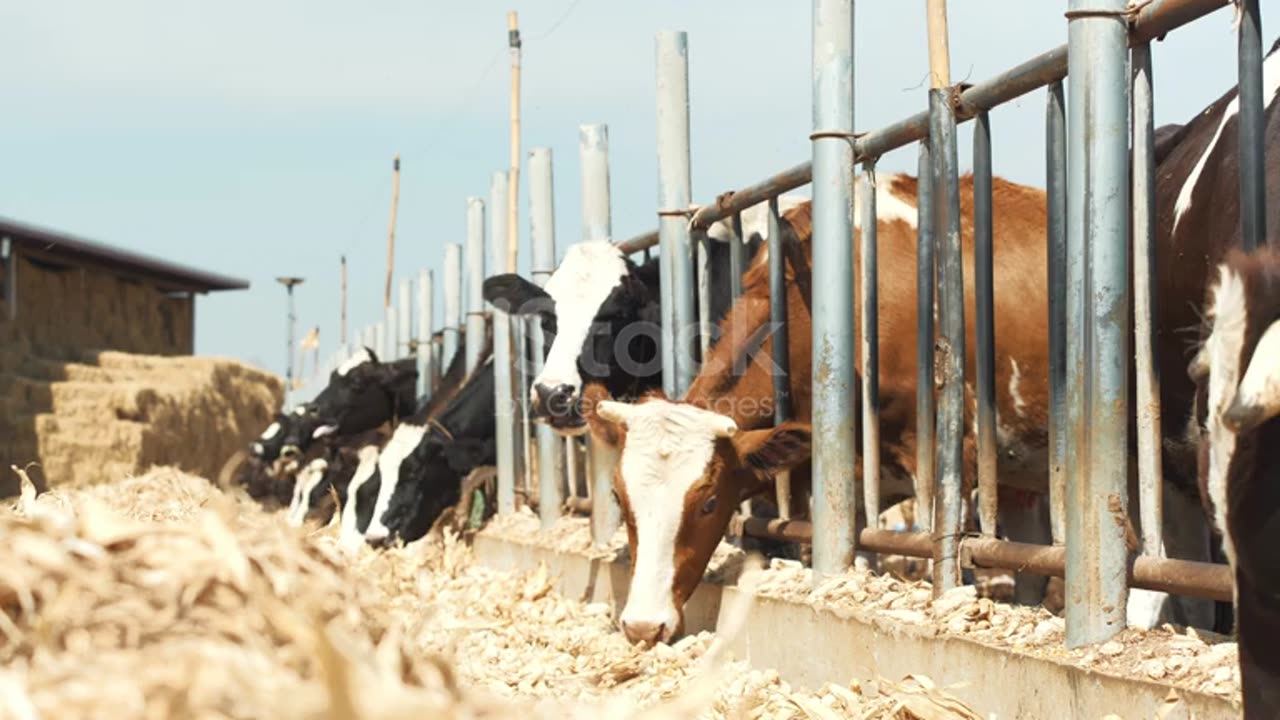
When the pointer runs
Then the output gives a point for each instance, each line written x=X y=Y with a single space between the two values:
x=53 y=245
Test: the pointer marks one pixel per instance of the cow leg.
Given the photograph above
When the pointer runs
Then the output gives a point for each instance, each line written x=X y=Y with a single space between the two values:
x=1024 y=518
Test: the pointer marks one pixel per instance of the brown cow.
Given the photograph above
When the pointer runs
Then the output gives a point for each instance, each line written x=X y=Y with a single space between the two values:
x=685 y=464
x=1237 y=374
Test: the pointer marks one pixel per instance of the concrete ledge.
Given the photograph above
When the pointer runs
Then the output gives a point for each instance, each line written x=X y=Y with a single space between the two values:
x=809 y=646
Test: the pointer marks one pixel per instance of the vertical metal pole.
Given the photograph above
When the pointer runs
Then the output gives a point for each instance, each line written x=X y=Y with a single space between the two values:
x=505 y=411
x=542 y=226
x=781 y=346
x=288 y=378
x=869 y=298
x=475 y=278
x=737 y=257
x=986 y=322
x=369 y=338
x=702 y=273
x=946 y=217
x=1097 y=227
x=674 y=198
x=924 y=339
x=426 y=329
x=1150 y=471
x=597 y=224
x=1059 y=321
x=405 y=316
x=380 y=340
x=392 y=338
x=452 y=304
x=834 y=428
x=1253 y=199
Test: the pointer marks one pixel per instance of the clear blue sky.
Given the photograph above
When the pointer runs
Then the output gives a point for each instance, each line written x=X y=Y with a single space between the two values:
x=255 y=138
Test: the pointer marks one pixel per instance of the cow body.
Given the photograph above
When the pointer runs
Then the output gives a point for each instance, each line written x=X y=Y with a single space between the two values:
x=1237 y=377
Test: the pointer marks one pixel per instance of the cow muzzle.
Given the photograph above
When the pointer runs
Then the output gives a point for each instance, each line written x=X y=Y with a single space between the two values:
x=289 y=452
x=556 y=405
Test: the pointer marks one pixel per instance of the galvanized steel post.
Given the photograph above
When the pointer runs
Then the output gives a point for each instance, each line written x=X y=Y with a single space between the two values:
x=1253 y=197
x=834 y=429
x=949 y=501
x=542 y=229
x=597 y=225
x=405 y=316
x=392 y=337
x=869 y=298
x=452 y=304
x=1056 y=211
x=1097 y=223
x=1150 y=470
x=369 y=338
x=674 y=198
x=426 y=329
x=780 y=345
x=986 y=324
x=380 y=340
x=506 y=412
x=924 y=339
x=475 y=281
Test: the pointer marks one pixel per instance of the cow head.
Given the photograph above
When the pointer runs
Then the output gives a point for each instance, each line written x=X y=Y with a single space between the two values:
x=310 y=492
x=268 y=445
x=682 y=472
x=1237 y=376
x=362 y=394
x=427 y=481
x=599 y=315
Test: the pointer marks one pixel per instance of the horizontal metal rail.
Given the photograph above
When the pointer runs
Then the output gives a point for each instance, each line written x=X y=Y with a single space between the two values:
x=1209 y=581
x=1150 y=23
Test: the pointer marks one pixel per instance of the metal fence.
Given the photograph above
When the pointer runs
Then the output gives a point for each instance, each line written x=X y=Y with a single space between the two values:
x=1088 y=152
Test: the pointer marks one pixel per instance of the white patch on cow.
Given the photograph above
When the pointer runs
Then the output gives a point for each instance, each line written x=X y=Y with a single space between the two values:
x=402 y=442
x=584 y=280
x=755 y=220
x=1270 y=85
x=324 y=430
x=272 y=430
x=349 y=536
x=1261 y=384
x=667 y=451
x=258 y=449
x=889 y=207
x=1228 y=311
x=300 y=410
x=360 y=357
x=1015 y=379
x=303 y=485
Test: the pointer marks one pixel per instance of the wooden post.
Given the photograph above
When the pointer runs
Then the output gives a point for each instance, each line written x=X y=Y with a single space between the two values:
x=513 y=178
x=342 y=325
x=939 y=51
x=391 y=233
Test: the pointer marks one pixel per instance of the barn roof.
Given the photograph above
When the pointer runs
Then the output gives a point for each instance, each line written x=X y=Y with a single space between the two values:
x=57 y=247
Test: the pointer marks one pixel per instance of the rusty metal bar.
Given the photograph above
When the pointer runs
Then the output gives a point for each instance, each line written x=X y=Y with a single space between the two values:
x=1056 y=211
x=924 y=342
x=986 y=324
x=1209 y=581
x=868 y=292
x=951 y=339
x=1152 y=22
x=1150 y=472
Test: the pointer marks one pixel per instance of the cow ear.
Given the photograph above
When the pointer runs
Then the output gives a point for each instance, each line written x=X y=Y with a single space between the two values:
x=774 y=450
x=1258 y=398
x=515 y=295
x=605 y=429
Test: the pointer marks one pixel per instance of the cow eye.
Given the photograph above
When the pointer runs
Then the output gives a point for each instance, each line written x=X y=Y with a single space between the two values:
x=709 y=506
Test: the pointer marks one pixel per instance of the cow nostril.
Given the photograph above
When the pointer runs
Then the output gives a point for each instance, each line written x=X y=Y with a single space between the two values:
x=644 y=632
x=290 y=451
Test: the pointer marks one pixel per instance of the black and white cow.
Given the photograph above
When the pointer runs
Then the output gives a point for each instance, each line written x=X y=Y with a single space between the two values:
x=600 y=315
x=362 y=394
x=365 y=490
x=329 y=470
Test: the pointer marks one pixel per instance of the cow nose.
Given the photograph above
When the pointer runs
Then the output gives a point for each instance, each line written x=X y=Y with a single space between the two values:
x=290 y=451
x=647 y=633
x=552 y=401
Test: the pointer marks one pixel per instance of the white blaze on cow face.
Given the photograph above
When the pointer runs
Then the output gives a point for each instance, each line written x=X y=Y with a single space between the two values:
x=349 y=535
x=272 y=430
x=1223 y=347
x=360 y=357
x=585 y=278
x=303 y=485
x=402 y=442
x=668 y=449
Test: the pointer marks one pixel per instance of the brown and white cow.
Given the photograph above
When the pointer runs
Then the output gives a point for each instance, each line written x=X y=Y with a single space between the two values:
x=685 y=464
x=1237 y=374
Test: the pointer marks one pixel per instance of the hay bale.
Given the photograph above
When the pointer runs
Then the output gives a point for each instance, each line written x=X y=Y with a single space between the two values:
x=84 y=423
